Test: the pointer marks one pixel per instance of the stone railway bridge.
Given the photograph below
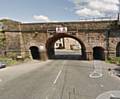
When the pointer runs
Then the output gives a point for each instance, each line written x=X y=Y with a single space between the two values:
x=98 y=39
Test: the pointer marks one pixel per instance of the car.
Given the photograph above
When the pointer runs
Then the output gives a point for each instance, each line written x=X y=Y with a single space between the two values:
x=2 y=65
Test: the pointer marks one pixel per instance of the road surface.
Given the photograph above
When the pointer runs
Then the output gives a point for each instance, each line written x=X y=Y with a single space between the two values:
x=56 y=79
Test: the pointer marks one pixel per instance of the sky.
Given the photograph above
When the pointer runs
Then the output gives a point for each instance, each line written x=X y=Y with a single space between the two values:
x=57 y=10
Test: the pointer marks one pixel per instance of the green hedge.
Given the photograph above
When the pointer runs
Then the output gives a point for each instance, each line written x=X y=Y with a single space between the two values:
x=115 y=60
x=8 y=61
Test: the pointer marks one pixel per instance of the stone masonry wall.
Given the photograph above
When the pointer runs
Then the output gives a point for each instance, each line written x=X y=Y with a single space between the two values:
x=104 y=34
x=12 y=44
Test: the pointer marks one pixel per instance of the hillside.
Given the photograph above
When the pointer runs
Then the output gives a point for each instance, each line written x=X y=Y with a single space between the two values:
x=9 y=24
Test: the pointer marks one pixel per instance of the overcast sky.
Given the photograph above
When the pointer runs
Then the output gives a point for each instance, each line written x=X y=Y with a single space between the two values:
x=57 y=10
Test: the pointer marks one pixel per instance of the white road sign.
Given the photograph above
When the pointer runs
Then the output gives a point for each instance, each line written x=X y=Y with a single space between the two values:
x=61 y=30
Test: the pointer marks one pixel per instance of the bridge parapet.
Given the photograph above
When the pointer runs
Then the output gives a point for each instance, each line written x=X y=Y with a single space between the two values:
x=101 y=34
x=81 y=25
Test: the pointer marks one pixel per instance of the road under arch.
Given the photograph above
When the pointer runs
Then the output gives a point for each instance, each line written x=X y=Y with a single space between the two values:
x=51 y=50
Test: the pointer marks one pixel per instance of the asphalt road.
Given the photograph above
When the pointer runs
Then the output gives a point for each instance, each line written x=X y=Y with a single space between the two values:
x=57 y=79
x=67 y=54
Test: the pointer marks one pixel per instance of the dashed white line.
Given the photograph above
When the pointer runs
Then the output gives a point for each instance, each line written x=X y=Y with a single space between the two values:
x=46 y=97
x=57 y=77
x=0 y=80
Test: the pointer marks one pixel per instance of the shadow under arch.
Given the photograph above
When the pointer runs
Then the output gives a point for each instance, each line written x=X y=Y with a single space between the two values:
x=118 y=50
x=98 y=53
x=51 y=41
x=35 y=52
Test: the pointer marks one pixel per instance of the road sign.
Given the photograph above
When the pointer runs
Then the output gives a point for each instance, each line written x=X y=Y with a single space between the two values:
x=61 y=29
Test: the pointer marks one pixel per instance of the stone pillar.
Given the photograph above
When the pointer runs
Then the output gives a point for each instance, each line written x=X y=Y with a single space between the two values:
x=22 y=47
x=43 y=53
x=112 y=53
x=106 y=53
x=89 y=55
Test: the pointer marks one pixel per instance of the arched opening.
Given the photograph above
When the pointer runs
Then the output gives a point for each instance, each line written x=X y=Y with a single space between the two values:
x=35 y=52
x=98 y=53
x=118 y=50
x=67 y=48
x=59 y=48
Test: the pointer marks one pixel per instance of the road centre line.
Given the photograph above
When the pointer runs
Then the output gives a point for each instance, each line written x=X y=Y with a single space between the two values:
x=59 y=73
x=57 y=77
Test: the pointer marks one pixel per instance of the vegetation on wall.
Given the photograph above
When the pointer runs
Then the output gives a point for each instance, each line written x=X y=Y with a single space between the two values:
x=2 y=42
x=8 y=61
x=10 y=24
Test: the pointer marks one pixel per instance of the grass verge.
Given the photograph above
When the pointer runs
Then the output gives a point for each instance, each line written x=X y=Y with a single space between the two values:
x=9 y=61
x=114 y=60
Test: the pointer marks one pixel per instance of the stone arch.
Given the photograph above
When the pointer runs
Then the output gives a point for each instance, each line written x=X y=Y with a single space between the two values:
x=51 y=41
x=118 y=50
x=98 y=53
x=35 y=53
x=41 y=48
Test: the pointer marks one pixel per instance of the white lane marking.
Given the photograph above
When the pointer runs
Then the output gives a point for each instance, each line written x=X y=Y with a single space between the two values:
x=98 y=75
x=46 y=97
x=101 y=85
x=112 y=95
x=107 y=95
x=59 y=73
x=57 y=77
x=0 y=80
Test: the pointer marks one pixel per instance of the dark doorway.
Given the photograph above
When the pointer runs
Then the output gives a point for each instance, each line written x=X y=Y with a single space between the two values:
x=98 y=53
x=118 y=50
x=35 y=52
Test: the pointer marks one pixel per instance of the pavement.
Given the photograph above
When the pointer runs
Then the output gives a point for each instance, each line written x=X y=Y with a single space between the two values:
x=58 y=79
